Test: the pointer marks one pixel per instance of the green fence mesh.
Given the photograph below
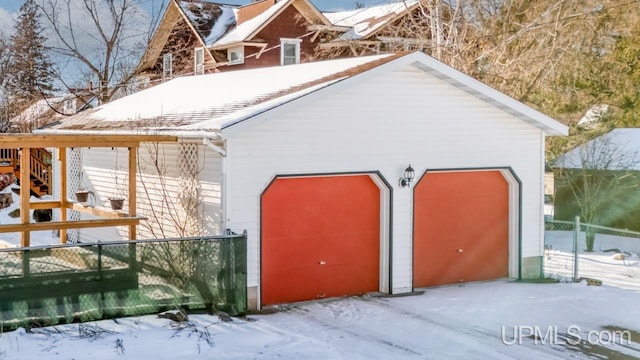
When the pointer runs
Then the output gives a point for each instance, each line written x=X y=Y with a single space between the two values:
x=42 y=286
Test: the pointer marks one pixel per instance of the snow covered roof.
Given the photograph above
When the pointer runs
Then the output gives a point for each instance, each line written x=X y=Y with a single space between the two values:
x=618 y=149
x=211 y=20
x=45 y=111
x=364 y=22
x=220 y=25
x=216 y=101
x=592 y=117
x=211 y=101
x=243 y=31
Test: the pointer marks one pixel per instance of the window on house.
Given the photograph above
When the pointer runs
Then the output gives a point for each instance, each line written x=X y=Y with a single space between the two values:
x=289 y=51
x=198 y=61
x=68 y=106
x=235 y=55
x=167 y=66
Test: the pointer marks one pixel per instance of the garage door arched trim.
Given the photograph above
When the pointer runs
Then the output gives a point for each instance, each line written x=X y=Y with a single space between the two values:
x=514 y=213
x=385 y=230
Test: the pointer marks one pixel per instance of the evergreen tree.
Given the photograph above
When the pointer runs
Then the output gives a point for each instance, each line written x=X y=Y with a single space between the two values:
x=30 y=69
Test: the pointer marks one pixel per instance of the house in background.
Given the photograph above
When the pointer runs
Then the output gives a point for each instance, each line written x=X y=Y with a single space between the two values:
x=313 y=162
x=601 y=176
x=41 y=113
x=48 y=110
x=197 y=37
x=376 y=29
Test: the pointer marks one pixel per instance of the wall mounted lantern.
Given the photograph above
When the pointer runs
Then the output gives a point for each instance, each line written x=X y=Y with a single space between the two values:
x=407 y=178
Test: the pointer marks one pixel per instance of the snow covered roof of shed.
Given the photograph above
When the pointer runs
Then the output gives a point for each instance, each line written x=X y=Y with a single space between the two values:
x=216 y=101
x=366 y=21
x=618 y=149
x=215 y=98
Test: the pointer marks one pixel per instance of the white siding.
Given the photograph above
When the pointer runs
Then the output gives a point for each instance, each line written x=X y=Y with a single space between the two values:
x=158 y=196
x=384 y=123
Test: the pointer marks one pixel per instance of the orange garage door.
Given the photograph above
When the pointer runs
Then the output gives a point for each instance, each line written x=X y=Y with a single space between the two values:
x=461 y=227
x=320 y=238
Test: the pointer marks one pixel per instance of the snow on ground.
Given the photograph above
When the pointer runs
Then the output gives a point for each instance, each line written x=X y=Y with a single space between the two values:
x=615 y=259
x=44 y=237
x=473 y=321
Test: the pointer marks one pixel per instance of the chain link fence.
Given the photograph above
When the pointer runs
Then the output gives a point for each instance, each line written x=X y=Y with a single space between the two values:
x=574 y=251
x=41 y=286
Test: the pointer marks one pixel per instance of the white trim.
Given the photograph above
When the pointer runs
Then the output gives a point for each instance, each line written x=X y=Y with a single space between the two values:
x=296 y=44
x=239 y=51
x=385 y=226
x=214 y=147
x=514 y=222
x=198 y=68
x=167 y=71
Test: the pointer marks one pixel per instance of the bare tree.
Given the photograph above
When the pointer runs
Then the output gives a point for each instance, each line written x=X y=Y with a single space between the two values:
x=171 y=199
x=106 y=38
x=596 y=180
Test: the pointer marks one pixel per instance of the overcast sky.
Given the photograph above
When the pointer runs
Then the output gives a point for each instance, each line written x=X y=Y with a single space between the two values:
x=8 y=8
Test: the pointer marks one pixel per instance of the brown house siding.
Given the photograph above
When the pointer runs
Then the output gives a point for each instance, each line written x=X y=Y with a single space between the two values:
x=289 y=24
x=181 y=45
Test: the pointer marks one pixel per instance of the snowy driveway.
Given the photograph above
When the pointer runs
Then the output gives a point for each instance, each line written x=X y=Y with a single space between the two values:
x=475 y=321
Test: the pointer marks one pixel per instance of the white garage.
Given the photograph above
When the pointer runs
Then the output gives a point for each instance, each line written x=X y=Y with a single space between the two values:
x=307 y=159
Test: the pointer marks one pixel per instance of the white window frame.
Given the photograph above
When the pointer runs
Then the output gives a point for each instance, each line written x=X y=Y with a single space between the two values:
x=167 y=66
x=198 y=67
x=239 y=50
x=296 y=43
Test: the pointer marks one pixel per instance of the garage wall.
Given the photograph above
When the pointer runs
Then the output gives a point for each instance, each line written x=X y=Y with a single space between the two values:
x=157 y=202
x=384 y=122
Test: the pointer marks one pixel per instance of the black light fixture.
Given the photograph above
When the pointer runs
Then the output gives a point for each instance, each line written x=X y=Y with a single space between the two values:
x=408 y=176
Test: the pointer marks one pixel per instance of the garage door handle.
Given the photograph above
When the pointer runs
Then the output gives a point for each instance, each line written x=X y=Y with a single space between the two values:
x=460 y=250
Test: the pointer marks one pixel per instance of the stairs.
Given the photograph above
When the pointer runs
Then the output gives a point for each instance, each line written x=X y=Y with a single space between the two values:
x=40 y=163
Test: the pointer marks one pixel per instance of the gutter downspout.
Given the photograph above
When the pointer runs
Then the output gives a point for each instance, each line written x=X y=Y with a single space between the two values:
x=223 y=182
x=214 y=147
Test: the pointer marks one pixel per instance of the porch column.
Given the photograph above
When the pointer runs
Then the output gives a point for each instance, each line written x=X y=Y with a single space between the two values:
x=25 y=194
x=133 y=152
x=62 y=157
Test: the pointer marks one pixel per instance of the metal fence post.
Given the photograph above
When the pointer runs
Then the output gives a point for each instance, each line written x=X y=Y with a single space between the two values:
x=576 y=233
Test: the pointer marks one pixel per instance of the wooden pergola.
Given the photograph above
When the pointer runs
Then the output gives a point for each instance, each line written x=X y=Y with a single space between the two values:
x=108 y=218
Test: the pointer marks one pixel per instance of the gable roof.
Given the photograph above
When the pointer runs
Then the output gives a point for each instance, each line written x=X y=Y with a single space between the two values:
x=207 y=20
x=248 y=29
x=365 y=22
x=219 y=25
x=48 y=110
x=218 y=101
x=210 y=20
x=618 y=149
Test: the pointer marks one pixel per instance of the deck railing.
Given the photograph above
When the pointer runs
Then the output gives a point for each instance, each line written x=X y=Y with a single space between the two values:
x=40 y=161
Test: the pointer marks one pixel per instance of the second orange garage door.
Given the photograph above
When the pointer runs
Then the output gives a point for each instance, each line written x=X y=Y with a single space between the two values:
x=320 y=237
x=461 y=227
